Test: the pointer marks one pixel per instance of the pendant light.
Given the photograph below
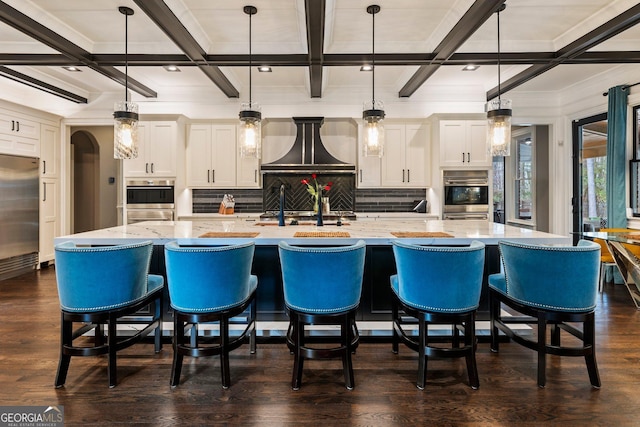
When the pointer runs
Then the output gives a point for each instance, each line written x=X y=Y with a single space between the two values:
x=250 y=116
x=373 y=139
x=125 y=127
x=499 y=115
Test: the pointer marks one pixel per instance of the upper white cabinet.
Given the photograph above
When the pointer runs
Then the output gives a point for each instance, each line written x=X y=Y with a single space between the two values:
x=156 y=151
x=463 y=143
x=19 y=134
x=406 y=159
x=213 y=160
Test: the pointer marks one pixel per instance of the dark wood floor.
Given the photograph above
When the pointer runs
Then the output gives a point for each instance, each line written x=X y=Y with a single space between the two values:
x=260 y=394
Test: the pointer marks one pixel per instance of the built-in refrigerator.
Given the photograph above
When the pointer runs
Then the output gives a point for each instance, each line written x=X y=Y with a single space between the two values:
x=19 y=215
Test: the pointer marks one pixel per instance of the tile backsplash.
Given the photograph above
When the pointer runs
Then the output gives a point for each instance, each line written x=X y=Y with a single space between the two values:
x=366 y=200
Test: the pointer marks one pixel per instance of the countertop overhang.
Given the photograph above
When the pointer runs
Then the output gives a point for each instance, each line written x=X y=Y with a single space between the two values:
x=372 y=232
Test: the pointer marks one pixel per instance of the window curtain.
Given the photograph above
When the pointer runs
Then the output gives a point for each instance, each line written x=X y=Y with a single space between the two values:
x=616 y=157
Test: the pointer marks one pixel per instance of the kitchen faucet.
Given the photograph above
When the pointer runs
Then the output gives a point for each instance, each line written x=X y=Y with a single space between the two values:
x=281 y=213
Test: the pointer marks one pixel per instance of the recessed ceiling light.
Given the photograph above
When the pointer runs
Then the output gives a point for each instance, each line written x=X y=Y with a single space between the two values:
x=366 y=67
x=264 y=69
x=171 y=68
x=471 y=67
x=73 y=69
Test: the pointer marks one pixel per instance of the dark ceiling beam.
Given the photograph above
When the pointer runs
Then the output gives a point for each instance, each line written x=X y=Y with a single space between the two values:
x=39 y=84
x=473 y=19
x=611 y=28
x=39 y=32
x=329 y=60
x=314 y=14
x=169 y=23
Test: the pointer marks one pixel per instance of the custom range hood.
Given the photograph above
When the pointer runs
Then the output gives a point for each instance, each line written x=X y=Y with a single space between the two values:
x=308 y=154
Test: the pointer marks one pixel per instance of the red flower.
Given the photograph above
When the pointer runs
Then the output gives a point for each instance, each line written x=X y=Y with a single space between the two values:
x=305 y=182
x=313 y=175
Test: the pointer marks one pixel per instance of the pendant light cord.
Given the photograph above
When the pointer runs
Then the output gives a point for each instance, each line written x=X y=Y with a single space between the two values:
x=373 y=64
x=126 y=58
x=499 y=101
x=250 y=63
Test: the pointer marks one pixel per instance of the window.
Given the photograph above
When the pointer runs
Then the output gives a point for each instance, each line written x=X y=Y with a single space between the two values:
x=524 y=177
x=521 y=177
x=635 y=164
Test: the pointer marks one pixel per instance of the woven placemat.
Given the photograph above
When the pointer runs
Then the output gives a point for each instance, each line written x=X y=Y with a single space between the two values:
x=229 y=234
x=402 y=234
x=321 y=234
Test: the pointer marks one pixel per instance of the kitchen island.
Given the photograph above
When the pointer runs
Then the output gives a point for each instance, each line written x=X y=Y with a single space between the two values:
x=379 y=263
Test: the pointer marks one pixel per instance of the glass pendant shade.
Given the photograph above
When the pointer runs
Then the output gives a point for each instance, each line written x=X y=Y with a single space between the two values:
x=373 y=129
x=499 y=127
x=250 y=131
x=125 y=130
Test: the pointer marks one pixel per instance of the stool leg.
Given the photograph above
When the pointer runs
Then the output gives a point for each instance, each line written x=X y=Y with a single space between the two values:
x=394 y=319
x=112 y=344
x=470 y=341
x=589 y=338
x=347 y=366
x=494 y=312
x=66 y=339
x=178 y=340
x=542 y=343
x=224 y=353
x=158 y=332
x=298 y=342
x=252 y=337
x=422 y=357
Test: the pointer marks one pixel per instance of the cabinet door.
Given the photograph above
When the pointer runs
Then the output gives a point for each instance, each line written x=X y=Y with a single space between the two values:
x=453 y=137
x=48 y=217
x=160 y=148
x=49 y=151
x=417 y=155
x=199 y=156
x=248 y=172
x=138 y=167
x=477 y=143
x=393 y=161
x=223 y=155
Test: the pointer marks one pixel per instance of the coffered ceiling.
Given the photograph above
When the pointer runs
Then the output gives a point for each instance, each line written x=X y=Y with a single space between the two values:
x=315 y=47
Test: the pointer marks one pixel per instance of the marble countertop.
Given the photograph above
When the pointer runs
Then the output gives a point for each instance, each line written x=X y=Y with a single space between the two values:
x=372 y=232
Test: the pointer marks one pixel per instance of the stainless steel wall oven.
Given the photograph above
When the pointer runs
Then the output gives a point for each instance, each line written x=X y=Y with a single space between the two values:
x=150 y=200
x=466 y=194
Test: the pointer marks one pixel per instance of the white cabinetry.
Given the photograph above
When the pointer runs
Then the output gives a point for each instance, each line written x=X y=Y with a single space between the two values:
x=213 y=160
x=463 y=143
x=19 y=134
x=49 y=190
x=156 y=151
x=405 y=162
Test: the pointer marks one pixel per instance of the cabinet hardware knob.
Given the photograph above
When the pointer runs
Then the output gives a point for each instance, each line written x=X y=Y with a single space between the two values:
x=463 y=157
x=151 y=167
x=408 y=175
x=255 y=175
x=44 y=167
x=13 y=125
x=146 y=168
x=360 y=175
x=17 y=126
x=402 y=175
x=44 y=191
x=213 y=175
x=468 y=157
x=208 y=175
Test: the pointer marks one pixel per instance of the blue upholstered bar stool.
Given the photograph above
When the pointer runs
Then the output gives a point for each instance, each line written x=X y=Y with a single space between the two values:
x=322 y=286
x=438 y=285
x=548 y=285
x=97 y=286
x=210 y=284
